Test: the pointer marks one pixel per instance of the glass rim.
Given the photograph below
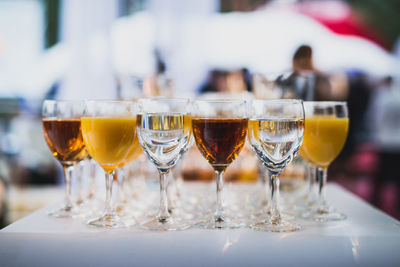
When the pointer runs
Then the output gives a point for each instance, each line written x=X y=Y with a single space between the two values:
x=166 y=99
x=275 y=73
x=220 y=100
x=63 y=101
x=326 y=103
x=111 y=101
x=278 y=100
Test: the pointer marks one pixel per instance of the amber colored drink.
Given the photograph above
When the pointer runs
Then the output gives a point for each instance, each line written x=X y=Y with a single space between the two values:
x=64 y=138
x=324 y=138
x=220 y=140
x=109 y=140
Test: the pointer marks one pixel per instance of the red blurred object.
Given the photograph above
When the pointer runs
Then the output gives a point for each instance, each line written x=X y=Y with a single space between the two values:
x=340 y=18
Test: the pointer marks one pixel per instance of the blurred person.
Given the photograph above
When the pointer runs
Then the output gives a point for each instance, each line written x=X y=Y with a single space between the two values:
x=306 y=82
x=384 y=122
x=159 y=84
x=247 y=79
x=351 y=162
x=360 y=89
x=3 y=192
x=216 y=82
x=238 y=81
x=339 y=86
x=235 y=81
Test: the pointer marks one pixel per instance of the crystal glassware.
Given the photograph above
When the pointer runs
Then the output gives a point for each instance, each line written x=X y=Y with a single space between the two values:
x=163 y=136
x=276 y=129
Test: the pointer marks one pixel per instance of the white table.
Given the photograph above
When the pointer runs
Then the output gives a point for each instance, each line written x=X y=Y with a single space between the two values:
x=367 y=238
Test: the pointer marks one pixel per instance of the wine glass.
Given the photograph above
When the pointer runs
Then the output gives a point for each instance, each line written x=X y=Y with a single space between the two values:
x=109 y=132
x=163 y=136
x=61 y=121
x=276 y=129
x=326 y=129
x=219 y=128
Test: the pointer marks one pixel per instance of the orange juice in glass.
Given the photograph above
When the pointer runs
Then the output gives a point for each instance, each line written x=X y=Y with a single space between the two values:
x=325 y=133
x=324 y=138
x=109 y=132
x=109 y=140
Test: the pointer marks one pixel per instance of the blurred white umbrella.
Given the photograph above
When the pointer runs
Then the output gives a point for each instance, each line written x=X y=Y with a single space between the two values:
x=263 y=41
x=266 y=40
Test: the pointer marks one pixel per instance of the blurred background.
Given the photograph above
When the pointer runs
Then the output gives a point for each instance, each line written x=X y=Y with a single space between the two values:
x=323 y=50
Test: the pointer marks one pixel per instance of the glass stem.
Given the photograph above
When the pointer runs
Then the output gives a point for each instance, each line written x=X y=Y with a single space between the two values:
x=163 y=214
x=92 y=174
x=311 y=180
x=311 y=172
x=322 y=176
x=121 y=181
x=67 y=178
x=170 y=190
x=78 y=173
x=140 y=170
x=266 y=190
x=274 y=207
x=219 y=209
x=178 y=178
x=109 y=183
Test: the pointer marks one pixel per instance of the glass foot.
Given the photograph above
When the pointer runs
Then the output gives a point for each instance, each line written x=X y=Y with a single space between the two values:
x=286 y=216
x=169 y=224
x=179 y=214
x=64 y=212
x=107 y=221
x=303 y=207
x=281 y=227
x=324 y=214
x=226 y=223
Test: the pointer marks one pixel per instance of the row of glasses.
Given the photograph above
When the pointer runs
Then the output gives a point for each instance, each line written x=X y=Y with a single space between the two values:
x=110 y=131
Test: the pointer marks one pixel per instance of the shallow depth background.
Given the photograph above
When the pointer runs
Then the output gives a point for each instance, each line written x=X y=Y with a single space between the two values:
x=74 y=49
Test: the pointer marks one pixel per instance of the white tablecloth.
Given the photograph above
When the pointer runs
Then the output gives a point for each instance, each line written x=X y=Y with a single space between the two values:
x=367 y=238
